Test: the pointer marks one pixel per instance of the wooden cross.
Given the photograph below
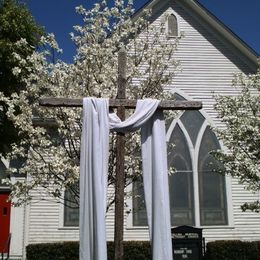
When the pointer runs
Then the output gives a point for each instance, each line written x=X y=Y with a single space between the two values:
x=121 y=103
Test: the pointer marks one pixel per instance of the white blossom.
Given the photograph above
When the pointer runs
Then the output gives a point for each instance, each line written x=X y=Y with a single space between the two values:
x=50 y=137
x=241 y=115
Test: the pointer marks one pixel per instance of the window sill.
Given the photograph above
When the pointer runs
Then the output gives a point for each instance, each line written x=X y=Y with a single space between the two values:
x=203 y=227
x=137 y=228
x=173 y=37
x=217 y=227
x=68 y=228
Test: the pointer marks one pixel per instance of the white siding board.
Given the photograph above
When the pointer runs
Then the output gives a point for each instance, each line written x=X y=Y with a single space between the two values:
x=44 y=225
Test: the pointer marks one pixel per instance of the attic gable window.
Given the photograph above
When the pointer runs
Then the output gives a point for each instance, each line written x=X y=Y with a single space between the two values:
x=172 y=26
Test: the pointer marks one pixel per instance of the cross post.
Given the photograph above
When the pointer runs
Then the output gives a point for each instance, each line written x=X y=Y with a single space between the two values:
x=121 y=103
x=120 y=162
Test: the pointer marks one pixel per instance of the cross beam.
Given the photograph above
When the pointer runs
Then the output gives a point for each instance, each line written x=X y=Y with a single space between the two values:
x=116 y=103
x=121 y=103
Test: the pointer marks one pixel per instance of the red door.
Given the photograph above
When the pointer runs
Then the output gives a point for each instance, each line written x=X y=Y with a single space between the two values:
x=5 y=210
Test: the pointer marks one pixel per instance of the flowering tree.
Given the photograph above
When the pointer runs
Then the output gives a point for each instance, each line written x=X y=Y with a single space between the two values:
x=241 y=115
x=15 y=22
x=50 y=150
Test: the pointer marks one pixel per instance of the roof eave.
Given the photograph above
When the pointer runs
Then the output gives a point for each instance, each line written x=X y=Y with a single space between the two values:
x=223 y=30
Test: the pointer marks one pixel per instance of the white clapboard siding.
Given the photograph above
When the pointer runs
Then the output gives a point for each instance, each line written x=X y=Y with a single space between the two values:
x=44 y=223
x=208 y=64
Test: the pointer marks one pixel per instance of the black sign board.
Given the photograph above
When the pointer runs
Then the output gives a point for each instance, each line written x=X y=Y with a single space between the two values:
x=187 y=243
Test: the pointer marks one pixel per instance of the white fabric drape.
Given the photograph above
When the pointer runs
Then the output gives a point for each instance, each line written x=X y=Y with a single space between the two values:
x=93 y=180
x=93 y=175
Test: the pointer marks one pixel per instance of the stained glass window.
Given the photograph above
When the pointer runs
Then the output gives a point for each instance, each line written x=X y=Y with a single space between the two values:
x=211 y=183
x=181 y=181
x=189 y=152
x=192 y=121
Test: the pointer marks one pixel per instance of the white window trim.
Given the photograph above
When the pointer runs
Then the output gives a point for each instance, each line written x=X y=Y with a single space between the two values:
x=194 y=151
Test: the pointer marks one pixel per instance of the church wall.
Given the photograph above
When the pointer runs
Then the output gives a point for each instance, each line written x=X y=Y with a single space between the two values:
x=207 y=66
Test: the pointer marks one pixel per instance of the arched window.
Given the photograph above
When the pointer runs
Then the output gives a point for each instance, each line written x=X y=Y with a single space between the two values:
x=211 y=185
x=181 y=181
x=172 y=26
x=190 y=142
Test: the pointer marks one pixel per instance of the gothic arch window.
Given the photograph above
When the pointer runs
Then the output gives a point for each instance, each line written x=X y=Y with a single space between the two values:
x=181 y=181
x=172 y=26
x=211 y=185
x=197 y=191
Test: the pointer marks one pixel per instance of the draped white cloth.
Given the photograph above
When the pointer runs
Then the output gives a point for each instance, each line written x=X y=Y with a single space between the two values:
x=93 y=175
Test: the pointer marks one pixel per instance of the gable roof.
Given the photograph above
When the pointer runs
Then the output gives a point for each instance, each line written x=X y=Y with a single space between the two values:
x=210 y=19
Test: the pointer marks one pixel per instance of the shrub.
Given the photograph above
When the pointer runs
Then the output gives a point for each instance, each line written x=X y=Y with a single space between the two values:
x=47 y=251
x=133 y=250
x=233 y=250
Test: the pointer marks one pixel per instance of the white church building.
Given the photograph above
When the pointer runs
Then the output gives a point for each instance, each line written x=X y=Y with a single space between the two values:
x=209 y=54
